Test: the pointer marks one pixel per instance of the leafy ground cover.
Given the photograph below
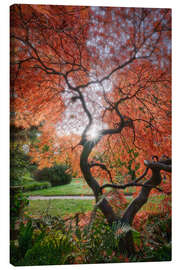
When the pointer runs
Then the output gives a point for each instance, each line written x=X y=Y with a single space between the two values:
x=71 y=240
x=57 y=242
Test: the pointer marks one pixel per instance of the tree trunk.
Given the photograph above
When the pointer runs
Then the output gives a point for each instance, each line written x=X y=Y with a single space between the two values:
x=136 y=205
x=104 y=206
x=142 y=197
x=126 y=245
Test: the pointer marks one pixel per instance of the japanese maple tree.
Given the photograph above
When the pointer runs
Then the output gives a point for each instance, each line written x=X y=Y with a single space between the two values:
x=97 y=83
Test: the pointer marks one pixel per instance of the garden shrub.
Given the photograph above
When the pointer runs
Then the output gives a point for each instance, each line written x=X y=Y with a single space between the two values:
x=55 y=249
x=20 y=166
x=162 y=253
x=17 y=203
x=36 y=186
x=56 y=241
x=99 y=243
x=56 y=175
x=42 y=246
x=158 y=229
x=156 y=239
x=25 y=242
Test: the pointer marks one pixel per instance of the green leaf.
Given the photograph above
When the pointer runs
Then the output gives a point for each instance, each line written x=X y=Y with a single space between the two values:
x=45 y=148
x=136 y=154
x=137 y=166
x=136 y=237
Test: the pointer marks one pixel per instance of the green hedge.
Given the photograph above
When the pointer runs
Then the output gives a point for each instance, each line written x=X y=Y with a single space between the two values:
x=36 y=186
x=56 y=175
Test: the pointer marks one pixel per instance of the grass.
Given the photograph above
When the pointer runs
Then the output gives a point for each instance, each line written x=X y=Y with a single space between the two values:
x=69 y=206
x=76 y=187
x=64 y=207
x=57 y=207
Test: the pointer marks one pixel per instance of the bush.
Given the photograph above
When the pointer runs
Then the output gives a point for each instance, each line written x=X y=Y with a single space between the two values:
x=56 y=175
x=98 y=242
x=25 y=242
x=56 y=241
x=55 y=249
x=20 y=166
x=36 y=186
x=162 y=253
x=156 y=239
x=17 y=203
x=42 y=246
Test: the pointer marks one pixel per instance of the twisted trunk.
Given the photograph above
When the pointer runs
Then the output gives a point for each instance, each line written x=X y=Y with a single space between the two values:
x=126 y=244
x=104 y=206
x=142 y=197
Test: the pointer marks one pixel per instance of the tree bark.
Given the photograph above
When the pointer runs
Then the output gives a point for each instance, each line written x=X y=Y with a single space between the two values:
x=142 y=197
x=126 y=245
x=104 y=206
x=154 y=181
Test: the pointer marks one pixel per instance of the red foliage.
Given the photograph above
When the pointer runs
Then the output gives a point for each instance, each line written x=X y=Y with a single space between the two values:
x=140 y=220
x=74 y=67
x=117 y=200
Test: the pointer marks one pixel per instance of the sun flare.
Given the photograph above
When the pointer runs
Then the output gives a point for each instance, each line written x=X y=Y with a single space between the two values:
x=93 y=133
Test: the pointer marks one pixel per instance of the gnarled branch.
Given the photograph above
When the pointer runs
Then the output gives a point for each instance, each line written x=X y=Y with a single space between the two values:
x=103 y=167
x=153 y=182
x=131 y=184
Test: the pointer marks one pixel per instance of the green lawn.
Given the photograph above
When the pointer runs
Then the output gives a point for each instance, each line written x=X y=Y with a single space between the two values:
x=57 y=207
x=64 y=207
x=67 y=206
x=76 y=187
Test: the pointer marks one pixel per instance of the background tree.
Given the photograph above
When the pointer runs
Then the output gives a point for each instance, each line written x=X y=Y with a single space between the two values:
x=105 y=74
x=20 y=161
